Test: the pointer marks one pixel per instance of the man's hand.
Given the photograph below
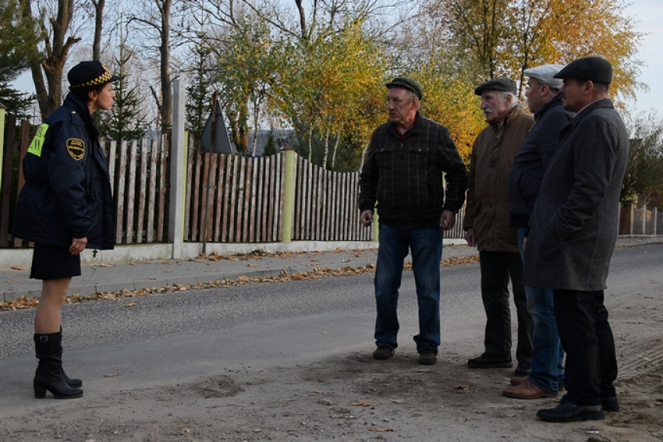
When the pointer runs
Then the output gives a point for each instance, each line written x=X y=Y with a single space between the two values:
x=366 y=218
x=524 y=244
x=448 y=220
x=77 y=245
x=469 y=237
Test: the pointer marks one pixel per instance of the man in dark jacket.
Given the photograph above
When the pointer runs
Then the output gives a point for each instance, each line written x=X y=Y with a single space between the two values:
x=573 y=233
x=529 y=166
x=404 y=169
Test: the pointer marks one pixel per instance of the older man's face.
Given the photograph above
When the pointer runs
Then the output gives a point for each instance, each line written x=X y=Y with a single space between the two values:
x=495 y=106
x=534 y=94
x=402 y=110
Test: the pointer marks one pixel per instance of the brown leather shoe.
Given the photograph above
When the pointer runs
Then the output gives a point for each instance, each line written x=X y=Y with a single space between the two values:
x=517 y=380
x=526 y=390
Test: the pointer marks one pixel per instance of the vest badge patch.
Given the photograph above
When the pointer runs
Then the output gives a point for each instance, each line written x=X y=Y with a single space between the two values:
x=76 y=148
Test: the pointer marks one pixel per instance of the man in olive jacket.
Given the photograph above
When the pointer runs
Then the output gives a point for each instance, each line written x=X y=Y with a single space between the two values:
x=487 y=226
x=573 y=233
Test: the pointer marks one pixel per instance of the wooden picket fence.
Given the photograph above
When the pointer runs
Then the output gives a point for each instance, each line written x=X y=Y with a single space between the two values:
x=229 y=198
x=640 y=220
x=242 y=200
x=138 y=171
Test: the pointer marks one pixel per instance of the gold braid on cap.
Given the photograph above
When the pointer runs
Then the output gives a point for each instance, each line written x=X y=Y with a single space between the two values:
x=102 y=79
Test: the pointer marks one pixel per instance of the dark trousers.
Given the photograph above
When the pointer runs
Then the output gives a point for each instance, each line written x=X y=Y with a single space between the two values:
x=591 y=363
x=496 y=270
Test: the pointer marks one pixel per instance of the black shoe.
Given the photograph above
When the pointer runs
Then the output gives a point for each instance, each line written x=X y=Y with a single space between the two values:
x=569 y=412
x=610 y=404
x=383 y=352
x=427 y=357
x=490 y=361
x=522 y=369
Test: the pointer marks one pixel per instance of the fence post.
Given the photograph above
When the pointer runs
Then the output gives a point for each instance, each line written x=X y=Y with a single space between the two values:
x=655 y=213
x=177 y=180
x=288 y=194
x=2 y=138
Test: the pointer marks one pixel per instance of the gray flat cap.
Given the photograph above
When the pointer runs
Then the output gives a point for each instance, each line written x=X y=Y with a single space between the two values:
x=545 y=75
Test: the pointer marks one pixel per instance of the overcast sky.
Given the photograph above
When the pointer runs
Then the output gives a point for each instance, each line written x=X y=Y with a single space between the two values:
x=648 y=13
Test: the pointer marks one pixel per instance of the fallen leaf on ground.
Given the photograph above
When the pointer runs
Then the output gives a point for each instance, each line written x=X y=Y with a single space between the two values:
x=18 y=268
x=364 y=403
x=379 y=428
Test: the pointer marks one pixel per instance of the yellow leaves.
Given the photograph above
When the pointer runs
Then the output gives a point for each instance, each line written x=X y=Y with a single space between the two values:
x=18 y=304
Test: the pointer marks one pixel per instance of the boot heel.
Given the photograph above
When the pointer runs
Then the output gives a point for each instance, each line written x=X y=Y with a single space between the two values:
x=40 y=390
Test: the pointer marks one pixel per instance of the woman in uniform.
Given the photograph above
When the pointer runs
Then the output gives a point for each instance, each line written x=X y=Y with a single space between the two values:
x=64 y=207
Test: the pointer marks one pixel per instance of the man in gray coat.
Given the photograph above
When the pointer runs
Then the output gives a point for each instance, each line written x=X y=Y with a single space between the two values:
x=573 y=233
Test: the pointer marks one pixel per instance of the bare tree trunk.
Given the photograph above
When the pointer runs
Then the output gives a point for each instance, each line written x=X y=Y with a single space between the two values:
x=166 y=111
x=49 y=93
x=98 y=25
x=310 y=144
x=256 y=105
x=363 y=156
x=326 y=152
x=333 y=164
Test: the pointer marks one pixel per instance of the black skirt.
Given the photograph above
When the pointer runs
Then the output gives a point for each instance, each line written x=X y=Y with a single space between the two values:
x=54 y=263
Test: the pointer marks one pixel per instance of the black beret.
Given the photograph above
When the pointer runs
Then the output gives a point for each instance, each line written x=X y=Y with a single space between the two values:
x=596 y=69
x=407 y=83
x=497 y=84
x=89 y=74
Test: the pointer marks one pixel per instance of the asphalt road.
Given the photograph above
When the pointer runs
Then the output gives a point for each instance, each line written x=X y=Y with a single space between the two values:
x=166 y=339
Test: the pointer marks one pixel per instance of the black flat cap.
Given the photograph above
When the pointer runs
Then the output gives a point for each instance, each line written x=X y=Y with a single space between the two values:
x=407 y=83
x=89 y=74
x=596 y=69
x=498 y=84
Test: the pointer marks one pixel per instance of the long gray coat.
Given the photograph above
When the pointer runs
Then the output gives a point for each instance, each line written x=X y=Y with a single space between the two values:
x=575 y=220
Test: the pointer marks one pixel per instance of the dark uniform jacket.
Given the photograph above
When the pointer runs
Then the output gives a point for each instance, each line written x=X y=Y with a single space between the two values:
x=67 y=190
x=487 y=210
x=576 y=216
x=404 y=175
x=531 y=161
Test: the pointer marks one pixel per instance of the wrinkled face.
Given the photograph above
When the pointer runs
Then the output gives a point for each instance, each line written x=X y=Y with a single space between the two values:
x=573 y=94
x=402 y=109
x=103 y=99
x=535 y=92
x=495 y=106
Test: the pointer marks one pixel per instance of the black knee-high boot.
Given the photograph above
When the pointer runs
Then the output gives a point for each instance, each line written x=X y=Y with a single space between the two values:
x=48 y=376
x=76 y=383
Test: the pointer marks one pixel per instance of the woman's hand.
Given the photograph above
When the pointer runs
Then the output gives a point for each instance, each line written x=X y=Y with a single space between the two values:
x=77 y=245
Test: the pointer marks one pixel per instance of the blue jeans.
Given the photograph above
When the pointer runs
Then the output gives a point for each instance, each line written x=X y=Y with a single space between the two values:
x=426 y=248
x=548 y=358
